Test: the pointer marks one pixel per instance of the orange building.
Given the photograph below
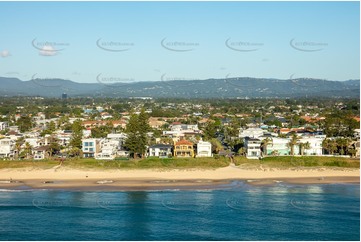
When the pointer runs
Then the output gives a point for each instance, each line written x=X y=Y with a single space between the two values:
x=183 y=148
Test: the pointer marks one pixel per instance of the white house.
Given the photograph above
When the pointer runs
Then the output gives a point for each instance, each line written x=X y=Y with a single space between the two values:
x=180 y=130
x=253 y=148
x=108 y=149
x=251 y=133
x=278 y=146
x=121 y=137
x=204 y=149
x=160 y=150
x=90 y=147
x=3 y=125
x=7 y=148
x=315 y=144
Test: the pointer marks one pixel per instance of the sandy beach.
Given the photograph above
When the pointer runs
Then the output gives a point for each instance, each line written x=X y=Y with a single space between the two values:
x=144 y=179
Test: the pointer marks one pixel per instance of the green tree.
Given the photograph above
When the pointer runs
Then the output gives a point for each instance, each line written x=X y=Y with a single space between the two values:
x=27 y=150
x=342 y=144
x=24 y=123
x=242 y=151
x=291 y=144
x=267 y=141
x=330 y=145
x=209 y=130
x=136 y=130
x=216 y=146
x=304 y=146
x=77 y=134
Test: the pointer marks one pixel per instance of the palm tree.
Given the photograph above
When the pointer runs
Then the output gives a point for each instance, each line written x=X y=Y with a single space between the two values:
x=27 y=149
x=291 y=144
x=329 y=145
x=18 y=148
x=343 y=143
x=304 y=146
x=264 y=145
x=307 y=146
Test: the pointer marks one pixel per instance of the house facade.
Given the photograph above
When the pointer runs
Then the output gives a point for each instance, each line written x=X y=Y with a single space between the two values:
x=251 y=132
x=315 y=142
x=253 y=148
x=3 y=125
x=90 y=147
x=107 y=149
x=183 y=148
x=278 y=146
x=204 y=149
x=160 y=150
x=7 y=148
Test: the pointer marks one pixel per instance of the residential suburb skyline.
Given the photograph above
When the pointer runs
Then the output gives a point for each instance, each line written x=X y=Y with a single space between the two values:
x=158 y=41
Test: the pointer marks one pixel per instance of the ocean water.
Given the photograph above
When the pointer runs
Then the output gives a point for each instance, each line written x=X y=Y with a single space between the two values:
x=234 y=212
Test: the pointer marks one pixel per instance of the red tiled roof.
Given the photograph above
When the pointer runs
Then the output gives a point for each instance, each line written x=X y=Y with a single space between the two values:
x=184 y=142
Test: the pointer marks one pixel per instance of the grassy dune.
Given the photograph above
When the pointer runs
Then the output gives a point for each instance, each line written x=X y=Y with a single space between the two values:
x=185 y=163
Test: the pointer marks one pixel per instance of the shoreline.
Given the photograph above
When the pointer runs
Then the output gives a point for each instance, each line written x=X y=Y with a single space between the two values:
x=151 y=179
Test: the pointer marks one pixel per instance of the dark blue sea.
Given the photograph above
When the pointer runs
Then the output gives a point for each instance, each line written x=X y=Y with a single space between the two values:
x=234 y=212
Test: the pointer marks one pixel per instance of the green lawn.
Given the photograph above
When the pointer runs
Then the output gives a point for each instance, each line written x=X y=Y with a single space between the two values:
x=305 y=161
x=186 y=163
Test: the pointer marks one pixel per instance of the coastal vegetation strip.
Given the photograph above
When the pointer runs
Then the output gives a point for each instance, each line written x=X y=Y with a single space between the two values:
x=186 y=163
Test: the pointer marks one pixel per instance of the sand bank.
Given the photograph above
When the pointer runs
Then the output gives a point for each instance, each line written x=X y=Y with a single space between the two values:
x=63 y=178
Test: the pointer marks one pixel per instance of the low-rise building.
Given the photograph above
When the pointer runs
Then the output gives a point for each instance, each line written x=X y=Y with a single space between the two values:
x=184 y=148
x=251 y=133
x=160 y=150
x=7 y=148
x=204 y=149
x=90 y=147
x=108 y=149
x=253 y=148
x=3 y=125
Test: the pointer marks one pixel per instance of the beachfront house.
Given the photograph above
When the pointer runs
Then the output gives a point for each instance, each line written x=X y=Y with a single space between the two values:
x=3 y=125
x=160 y=150
x=183 y=148
x=204 y=149
x=278 y=146
x=90 y=147
x=315 y=144
x=7 y=148
x=41 y=152
x=108 y=149
x=253 y=148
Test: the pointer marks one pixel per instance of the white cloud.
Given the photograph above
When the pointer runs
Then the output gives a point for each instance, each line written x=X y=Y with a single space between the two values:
x=48 y=50
x=5 y=53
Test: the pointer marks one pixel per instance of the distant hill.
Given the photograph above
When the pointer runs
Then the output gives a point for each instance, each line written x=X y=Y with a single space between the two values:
x=240 y=87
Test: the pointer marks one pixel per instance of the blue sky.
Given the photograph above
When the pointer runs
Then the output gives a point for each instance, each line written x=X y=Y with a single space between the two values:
x=154 y=41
